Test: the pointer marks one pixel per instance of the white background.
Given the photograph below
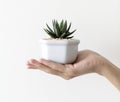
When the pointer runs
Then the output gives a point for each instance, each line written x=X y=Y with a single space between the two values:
x=21 y=26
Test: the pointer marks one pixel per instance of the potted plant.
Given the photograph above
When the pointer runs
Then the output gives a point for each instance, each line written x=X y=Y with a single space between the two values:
x=60 y=47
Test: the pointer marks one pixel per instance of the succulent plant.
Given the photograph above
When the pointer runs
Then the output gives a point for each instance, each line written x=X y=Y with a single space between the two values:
x=60 y=30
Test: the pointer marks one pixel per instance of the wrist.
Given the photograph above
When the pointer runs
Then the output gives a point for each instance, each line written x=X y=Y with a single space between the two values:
x=106 y=68
x=112 y=73
x=103 y=67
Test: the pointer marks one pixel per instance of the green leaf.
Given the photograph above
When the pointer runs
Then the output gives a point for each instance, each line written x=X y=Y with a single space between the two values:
x=62 y=35
x=61 y=24
x=54 y=28
x=69 y=33
x=50 y=34
x=73 y=31
x=57 y=29
x=64 y=27
x=68 y=28
x=46 y=30
x=49 y=28
x=69 y=37
x=60 y=30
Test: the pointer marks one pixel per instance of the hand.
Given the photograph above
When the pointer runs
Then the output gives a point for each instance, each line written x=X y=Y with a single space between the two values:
x=87 y=62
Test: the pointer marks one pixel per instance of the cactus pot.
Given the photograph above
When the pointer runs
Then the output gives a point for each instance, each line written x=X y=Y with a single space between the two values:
x=59 y=50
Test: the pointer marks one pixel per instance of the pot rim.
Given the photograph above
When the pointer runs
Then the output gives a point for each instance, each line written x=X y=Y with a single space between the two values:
x=60 y=41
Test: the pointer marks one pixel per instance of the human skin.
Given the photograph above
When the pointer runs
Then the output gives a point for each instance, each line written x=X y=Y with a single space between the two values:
x=87 y=62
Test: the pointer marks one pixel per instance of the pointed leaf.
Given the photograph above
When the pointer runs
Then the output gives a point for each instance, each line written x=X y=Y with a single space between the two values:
x=57 y=29
x=50 y=34
x=70 y=37
x=68 y=28
x=65 y=27
x=62 y=35
x=69 y=33
x=61 y=24
x=54 y=28
x=49 y=28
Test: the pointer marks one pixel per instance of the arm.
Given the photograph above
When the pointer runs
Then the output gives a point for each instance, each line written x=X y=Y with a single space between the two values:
x=112 y=73
x=87 y=62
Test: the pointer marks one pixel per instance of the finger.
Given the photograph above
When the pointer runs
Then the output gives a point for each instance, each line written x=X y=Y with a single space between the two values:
x=53 y=65
x=30 y=65
x=48 y=70
x=34 y=64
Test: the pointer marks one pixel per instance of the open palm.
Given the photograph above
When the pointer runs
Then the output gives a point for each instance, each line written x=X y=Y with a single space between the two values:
x=86 y=62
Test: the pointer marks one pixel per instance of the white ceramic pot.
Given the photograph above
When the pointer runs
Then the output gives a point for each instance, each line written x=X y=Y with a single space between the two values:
x=61 y=51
